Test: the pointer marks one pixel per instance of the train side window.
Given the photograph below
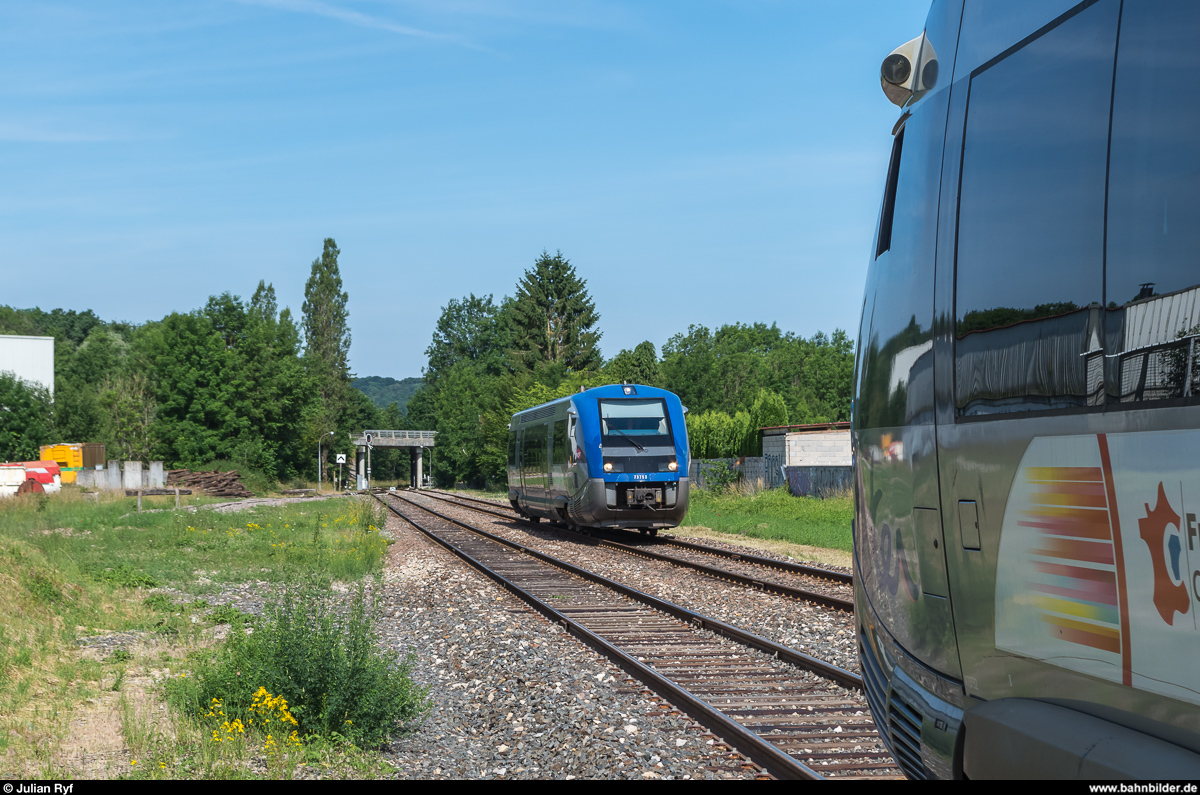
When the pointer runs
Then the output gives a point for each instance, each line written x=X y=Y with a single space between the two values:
x=1029 y=259
x=888 y=213
x=560 y=443
x=896 y=376
x=1152 y=289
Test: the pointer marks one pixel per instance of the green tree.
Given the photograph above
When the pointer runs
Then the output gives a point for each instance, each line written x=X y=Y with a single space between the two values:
x=554 y=319
x=193 y=377
x=472 y=329
x=689 y=369
x=327 y=344
x=25 y=418
x=79 y=415
x=461 y=401
x=726 y=369
x=270 y=387
x=639 y=366
x=128 y=402
x=227 y=314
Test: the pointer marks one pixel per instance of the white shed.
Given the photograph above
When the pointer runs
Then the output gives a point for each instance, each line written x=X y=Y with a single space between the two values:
x=29 y=358
x=821 y=445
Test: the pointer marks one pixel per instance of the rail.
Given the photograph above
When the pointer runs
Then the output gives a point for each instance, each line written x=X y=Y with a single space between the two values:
x=827 y=734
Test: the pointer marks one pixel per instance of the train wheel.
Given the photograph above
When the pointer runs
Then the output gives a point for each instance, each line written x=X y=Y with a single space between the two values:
x=643 y=530
x=654 y=531
x=535 y=519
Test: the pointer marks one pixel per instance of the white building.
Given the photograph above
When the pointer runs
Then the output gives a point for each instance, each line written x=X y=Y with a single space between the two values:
x=29 y=358
x=822 y=445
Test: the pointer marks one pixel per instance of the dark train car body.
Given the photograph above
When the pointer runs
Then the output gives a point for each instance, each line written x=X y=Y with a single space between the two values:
x=1027 y=396
x=612 y=456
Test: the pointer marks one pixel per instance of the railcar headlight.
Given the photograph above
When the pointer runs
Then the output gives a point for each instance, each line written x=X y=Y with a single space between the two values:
x=673 y=466
x=608 y=467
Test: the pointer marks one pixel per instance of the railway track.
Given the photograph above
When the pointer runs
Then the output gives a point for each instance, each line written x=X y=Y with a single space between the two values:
x=794 y=715
x=795 y=580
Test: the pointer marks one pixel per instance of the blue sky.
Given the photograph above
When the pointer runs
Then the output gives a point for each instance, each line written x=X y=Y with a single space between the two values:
x=698 y=162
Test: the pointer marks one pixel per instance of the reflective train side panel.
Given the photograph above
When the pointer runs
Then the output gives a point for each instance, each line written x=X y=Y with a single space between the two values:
x=1027 y=396
x=612 y=456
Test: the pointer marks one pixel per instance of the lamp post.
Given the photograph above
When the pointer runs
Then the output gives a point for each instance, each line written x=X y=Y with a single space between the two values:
x=320 y=474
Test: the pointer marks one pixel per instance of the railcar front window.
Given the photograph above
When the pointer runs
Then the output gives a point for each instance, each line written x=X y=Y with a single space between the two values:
x=634 y=418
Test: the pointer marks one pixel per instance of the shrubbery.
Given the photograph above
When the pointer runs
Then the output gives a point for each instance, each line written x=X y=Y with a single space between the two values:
x=321 y=653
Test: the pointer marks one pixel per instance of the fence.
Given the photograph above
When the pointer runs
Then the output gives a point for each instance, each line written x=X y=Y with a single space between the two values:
x=820 y=481
x=767 y=470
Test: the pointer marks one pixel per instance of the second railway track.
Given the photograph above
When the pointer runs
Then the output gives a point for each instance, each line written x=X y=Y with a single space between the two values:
x=796 y=580
x=792 y=720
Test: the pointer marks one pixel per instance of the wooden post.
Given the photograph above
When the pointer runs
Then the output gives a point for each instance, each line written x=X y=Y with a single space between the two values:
x=139 y=500
x=177 y=498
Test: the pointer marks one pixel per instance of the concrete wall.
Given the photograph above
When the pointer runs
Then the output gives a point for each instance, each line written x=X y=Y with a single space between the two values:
x=810 y=448
x=131 y=476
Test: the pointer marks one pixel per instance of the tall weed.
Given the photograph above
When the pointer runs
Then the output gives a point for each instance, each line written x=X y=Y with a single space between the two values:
x=319 y=652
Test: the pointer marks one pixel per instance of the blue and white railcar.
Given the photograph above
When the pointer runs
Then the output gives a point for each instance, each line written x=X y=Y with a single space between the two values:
x=612 y=456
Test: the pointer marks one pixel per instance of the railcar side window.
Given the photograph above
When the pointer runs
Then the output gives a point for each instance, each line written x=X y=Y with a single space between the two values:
x=560 y=443
x=889 y=197
x=1153 y=278
x=1029 y=260
x=897 y=353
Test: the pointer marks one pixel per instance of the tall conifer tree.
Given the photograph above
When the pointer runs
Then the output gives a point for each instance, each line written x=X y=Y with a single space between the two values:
x=555 y=318
x=327 y=339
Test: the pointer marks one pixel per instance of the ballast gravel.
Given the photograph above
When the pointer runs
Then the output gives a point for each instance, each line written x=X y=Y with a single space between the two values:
x=514 y=696
x=822 y=632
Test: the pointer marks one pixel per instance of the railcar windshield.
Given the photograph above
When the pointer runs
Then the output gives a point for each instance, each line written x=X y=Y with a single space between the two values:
x=636 y=417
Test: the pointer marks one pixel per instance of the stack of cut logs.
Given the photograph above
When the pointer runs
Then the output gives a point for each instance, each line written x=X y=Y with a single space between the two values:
x=214 y=484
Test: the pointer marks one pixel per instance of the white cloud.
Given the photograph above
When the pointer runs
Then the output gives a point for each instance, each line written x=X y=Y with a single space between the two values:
x=355 y=18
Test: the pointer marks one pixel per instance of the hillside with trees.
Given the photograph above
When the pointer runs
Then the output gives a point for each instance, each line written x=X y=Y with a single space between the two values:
x=383 y=390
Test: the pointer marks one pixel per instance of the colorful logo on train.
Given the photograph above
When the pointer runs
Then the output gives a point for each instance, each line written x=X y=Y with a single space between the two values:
x=1099 y=565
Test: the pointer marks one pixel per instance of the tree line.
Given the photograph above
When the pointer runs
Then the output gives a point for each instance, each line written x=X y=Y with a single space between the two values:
x=488 y=360
x=237 y=381
x=244 y=382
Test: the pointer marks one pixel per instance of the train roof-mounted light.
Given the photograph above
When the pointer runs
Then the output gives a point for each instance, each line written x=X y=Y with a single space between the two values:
x=909 y=71
x=629 y=390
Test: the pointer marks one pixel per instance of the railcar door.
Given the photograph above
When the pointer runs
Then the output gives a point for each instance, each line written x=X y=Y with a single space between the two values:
x=558 y=460
x=576 y=466
x=533 y=468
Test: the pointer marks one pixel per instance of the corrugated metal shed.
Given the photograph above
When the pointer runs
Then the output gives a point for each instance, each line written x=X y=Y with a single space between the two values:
x=1159 y=319
x=29 y=358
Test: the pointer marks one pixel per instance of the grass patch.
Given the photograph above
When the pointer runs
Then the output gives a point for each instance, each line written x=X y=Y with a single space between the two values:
x=111 y=543
x=482 y=494
x=775 y=514
x=72 y=569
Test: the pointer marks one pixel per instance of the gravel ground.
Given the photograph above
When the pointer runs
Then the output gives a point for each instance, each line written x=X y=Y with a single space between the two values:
x=516 y=697
x=818 y=631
